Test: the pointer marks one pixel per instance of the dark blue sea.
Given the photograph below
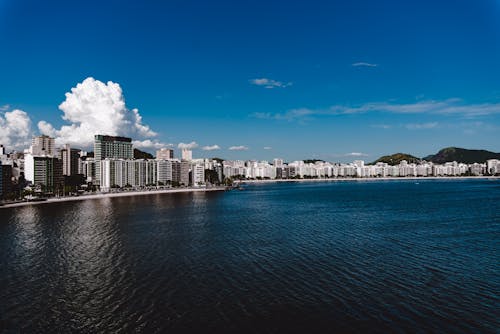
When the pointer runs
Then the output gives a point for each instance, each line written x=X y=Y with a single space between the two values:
x=361 y=256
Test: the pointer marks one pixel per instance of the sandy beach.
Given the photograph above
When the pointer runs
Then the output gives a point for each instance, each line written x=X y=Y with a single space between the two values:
x=108 y=195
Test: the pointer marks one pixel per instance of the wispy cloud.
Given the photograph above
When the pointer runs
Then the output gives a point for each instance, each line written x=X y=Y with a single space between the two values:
x=189 y=146
x=364 y=64
x=5 y=107
x=432 y=107
x=356 y=154
x=268 y=148
x=211 y=148
x=150 y=144
x=381 y=126
x=238 y=148
x=421 y=126
x=270 y=83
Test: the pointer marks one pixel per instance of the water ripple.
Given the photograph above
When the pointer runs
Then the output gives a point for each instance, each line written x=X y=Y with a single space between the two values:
x=276 y=258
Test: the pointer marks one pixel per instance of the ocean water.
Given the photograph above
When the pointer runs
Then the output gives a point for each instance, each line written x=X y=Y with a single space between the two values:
x=365 y=256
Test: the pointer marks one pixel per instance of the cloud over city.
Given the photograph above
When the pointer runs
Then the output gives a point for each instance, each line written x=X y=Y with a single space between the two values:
x=96 y=107
x=15 y=129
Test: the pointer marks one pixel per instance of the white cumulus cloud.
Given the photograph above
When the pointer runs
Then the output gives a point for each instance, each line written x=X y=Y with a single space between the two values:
x=270 y=83
x=238 y=148
x=189 y=146
x=94 y=107
x=211 y=148
x=15 y=129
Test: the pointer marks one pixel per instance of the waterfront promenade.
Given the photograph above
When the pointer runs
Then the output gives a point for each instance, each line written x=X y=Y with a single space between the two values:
x=108 y=195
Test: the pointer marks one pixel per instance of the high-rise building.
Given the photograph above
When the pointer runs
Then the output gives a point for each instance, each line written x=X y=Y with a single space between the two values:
x=278 y=162
x=43 y=145
x=187 y=154
x=45 y=171
x=164 y=154
x=184 y=173
x=70 y=157
x=197 y=174
x=110 y=147
x=136 y=173
x=5 y=180
x=164 y=171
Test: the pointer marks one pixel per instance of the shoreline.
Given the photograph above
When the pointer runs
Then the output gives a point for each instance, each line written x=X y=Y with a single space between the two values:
x=237 y=182
x=371 y=179
x=110 y=195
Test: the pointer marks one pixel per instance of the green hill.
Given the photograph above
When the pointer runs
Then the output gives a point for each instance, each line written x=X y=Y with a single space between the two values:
x=395 y=159
x=461 y=155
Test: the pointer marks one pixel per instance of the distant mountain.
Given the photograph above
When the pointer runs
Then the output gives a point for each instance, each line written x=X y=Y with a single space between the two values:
x=395 y=159
x=138 y=154
x=461 y=155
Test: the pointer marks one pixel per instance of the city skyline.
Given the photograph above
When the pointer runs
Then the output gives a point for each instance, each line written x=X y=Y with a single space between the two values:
x=255 y=82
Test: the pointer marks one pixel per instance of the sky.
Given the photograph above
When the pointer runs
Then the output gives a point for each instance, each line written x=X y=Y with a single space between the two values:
x=332 y=80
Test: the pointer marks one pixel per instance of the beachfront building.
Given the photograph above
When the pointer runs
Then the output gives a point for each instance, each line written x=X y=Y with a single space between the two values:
x=234 y=168
x=164 y=171
x=121 y=173
x=198 y=174
x=493 y=166
x=140 y=173
x=252 y=169
x=44 y=172
x=111 y=147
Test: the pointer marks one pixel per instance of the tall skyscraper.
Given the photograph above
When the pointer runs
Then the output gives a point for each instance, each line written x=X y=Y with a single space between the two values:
x=165 y=154
x=111 y=147
x=187 y=154
x=43 y=145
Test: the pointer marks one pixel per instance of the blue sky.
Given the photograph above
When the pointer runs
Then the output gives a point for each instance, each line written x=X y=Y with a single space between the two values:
x=336 y=80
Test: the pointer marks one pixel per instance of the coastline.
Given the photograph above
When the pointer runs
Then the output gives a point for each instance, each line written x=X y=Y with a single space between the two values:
x=108 y=195
x=237 y=182
x=371 y=179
